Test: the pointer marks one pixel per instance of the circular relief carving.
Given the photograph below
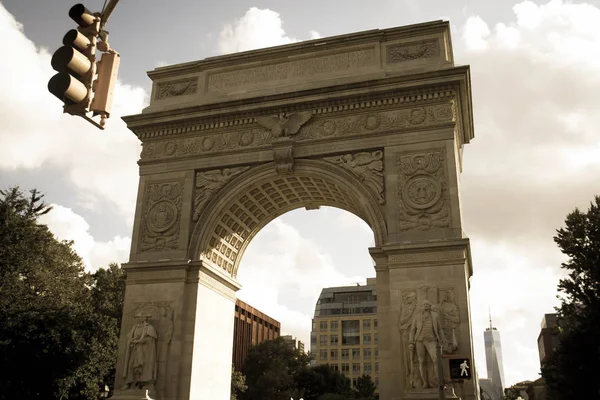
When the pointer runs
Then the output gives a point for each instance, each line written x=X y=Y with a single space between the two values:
x=161 y=216
x=417 y=116
x=208 y=143
x=246 y=139
x=170 y=148
x=443 y=112
x=422 y=191
x=372 y=121
x=328 y=127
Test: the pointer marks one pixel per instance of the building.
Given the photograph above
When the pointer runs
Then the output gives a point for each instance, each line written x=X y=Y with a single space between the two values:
x=494 y=362
x=251 y=327
x=344 y=330
x=294 y=342
x=548 y=338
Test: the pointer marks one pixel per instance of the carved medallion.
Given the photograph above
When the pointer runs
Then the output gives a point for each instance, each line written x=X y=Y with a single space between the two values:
x=367 y=166
x=412 y=51
x=162 y=216
x=422 y=191
x=210 y=182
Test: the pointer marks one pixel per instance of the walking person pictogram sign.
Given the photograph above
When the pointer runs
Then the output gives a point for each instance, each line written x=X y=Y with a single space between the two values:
x=460 y=368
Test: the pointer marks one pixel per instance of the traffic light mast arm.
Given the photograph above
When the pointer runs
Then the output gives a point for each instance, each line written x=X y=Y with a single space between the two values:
x=105 y=15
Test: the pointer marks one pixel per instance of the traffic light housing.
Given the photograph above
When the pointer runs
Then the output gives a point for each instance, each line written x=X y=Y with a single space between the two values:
x=83 y=84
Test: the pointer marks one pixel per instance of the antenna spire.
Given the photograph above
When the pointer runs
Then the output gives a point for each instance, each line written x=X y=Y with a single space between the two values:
x=490 y=313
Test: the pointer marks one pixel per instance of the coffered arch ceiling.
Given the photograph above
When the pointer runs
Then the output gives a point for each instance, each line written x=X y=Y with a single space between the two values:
x=250 y=201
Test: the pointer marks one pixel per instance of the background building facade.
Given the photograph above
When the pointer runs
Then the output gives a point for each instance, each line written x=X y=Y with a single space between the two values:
x=494 y=385
x=548 y=338
x=344 y=330
x=251 y=327
x=294 y=342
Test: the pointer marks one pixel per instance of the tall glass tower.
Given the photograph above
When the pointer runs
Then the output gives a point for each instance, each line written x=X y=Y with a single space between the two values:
x=493 y=357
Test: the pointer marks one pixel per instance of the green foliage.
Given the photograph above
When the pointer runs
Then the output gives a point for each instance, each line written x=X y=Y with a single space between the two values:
x=365 y=388
x=571 y=371
x=58 y=330
x=238 y=383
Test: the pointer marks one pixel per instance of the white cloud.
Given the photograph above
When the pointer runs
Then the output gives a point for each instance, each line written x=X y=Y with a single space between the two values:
x=256 y=29
x=283 y=274
x=67 y=225
x=535 y=157
x=34 y=133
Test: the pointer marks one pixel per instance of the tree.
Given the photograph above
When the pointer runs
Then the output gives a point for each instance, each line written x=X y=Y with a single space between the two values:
x=571 y=371
x=54 y=343
x=238 y=383
x=270 y=369
x=365 y=388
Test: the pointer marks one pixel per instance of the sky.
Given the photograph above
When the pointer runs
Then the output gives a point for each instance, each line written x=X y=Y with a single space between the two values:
x=536 y=154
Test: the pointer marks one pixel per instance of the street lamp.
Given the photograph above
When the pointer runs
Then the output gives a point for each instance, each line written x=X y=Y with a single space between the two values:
x=106 y=391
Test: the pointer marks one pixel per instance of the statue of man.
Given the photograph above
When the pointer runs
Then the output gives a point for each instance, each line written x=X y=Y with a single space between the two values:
x=409 y=304
x=450 y=320
x=424 y=335
x=140 y=357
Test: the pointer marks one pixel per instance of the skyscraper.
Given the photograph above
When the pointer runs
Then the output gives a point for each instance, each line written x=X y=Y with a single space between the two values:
x=495 y=367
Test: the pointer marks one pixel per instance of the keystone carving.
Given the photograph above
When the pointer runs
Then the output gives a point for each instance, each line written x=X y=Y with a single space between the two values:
x=162 y=216
x=368 y=166
x=283 y=155
x=284 y=124
x=422 y=191
x=209 y=182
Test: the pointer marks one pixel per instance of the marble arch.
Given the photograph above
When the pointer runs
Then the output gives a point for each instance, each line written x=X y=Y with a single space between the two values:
x=373 y=122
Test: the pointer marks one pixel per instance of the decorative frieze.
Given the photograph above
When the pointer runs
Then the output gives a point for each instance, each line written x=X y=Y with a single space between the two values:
x=291 y=70
x=159 y=230
x=367 y=166
x=413 y=51
x=177 y=87
x=422 y=191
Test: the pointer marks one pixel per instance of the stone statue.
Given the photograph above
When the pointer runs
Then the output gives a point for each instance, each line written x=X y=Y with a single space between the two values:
x=450 y=321
x=284 y=124
x=409 y=304
x=140 y=355
x=423 y=336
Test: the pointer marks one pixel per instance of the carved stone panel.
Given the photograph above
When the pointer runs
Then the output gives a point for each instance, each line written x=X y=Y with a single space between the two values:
x=159 y=230
x=177 y=87
x=413 y=51
x=422 y=191
x=209 y=182
x=368 y=166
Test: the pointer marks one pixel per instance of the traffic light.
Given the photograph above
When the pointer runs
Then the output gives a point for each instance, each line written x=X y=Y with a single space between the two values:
x=83 y=84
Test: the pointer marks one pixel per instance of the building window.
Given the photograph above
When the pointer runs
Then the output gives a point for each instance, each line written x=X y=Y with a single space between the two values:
x=334 y=339
x=355 y=354
x=323 y=326
x=375 y=324
x=334 y=326
x=335 y=367
x=323 y=340
x=351 y=332
x=377 y=382
x=375 y=338
x=345 y=367
x=314 y=325
x=376 y=354
x=367 y=338
x=323 y=355
x=367 y=354
x=355 y=368
x=366 y=324
x=354 y=382
x=313 y=339
x=376 y=367
x=345 y=354
x=334 y=354
x=367 y=368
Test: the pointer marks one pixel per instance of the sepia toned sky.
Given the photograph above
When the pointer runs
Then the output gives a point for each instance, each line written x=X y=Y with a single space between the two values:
x=536 y=154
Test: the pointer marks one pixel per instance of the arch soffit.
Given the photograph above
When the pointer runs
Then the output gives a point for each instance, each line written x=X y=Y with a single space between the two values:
x=253 y=199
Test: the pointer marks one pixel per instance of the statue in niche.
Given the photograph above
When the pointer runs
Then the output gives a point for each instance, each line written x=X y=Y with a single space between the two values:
x=424 y=334
x=140 y=355
x=450 y=321
x=409 y=304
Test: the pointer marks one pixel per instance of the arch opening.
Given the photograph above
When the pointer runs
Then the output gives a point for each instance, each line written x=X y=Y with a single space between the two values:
x=252 y=200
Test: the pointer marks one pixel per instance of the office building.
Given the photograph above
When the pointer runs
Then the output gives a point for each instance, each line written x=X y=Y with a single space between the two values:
x=344 y=330
x=251 y=327
x=548 y=338
x=495 y=366
x=294 y=342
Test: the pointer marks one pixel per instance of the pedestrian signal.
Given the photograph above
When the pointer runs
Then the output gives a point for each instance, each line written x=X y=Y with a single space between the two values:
x=460 y=368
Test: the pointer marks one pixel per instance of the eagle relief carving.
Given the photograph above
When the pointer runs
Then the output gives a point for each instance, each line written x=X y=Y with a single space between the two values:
x=282 y=125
